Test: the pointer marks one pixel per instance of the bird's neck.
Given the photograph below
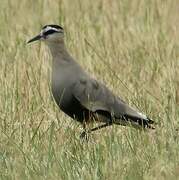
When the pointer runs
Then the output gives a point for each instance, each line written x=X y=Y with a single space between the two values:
x=59 y=52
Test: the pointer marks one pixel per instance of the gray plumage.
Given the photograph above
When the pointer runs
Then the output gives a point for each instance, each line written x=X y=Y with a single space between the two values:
x=80 y=96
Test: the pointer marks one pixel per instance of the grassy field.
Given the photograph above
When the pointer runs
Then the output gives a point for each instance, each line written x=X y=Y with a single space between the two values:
x=132 y=47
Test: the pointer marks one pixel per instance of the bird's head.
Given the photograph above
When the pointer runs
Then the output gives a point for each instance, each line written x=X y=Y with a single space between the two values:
x=49 y=33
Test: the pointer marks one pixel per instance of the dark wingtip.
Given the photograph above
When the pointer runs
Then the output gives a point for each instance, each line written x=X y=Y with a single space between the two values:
x=144 y=123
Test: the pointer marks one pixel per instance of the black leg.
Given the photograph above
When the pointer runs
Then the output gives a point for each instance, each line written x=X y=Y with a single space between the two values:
x=100 y=127
x=84 y=134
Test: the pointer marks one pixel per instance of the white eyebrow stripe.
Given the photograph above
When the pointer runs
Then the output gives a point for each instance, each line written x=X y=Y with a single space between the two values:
x=50 y=28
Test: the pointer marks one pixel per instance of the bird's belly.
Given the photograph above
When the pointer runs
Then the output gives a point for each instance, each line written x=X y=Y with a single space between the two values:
x=70 y=106
x=74 y=109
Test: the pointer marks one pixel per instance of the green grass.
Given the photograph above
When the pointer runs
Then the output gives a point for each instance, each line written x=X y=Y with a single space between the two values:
x=132 y=47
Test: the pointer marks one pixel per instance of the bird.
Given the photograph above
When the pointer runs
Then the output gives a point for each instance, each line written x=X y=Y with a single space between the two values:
x=81 y=96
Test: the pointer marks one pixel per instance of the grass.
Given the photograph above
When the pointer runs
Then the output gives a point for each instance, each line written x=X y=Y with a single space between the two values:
x=132 y=47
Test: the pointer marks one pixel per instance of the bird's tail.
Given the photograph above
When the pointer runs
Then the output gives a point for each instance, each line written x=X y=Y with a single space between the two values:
x=136 y=122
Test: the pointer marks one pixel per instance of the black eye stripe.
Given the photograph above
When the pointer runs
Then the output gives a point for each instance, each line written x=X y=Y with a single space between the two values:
x=51 y=31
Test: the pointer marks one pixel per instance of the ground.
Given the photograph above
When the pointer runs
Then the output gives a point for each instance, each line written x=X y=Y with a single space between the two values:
x=132 y=47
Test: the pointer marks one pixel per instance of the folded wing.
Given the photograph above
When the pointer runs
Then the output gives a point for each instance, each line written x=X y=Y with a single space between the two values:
x=96 y=97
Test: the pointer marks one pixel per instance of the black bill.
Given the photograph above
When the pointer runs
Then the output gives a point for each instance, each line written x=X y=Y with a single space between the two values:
x=38 y=37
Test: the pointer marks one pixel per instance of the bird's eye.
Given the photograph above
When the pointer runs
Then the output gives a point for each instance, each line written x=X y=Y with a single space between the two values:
x=51 y=31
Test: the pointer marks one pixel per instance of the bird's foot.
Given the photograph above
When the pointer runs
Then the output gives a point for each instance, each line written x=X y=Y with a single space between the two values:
x=84 y=136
